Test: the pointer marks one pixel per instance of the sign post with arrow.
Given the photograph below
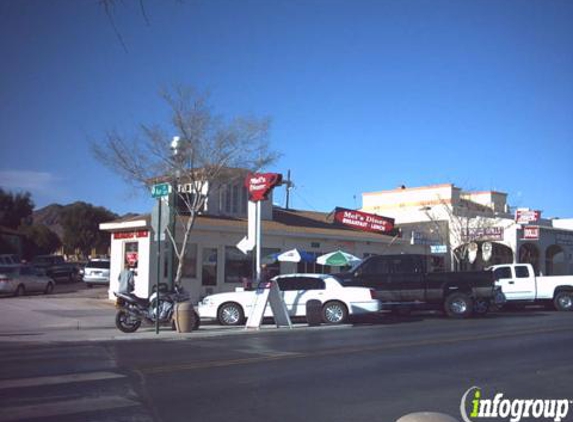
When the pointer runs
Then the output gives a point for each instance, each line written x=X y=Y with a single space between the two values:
x=259 y=186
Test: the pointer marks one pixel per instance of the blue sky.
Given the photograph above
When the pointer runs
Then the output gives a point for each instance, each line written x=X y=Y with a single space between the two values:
x=364 y=95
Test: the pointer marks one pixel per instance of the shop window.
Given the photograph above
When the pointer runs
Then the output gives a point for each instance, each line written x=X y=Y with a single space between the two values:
x=238 y=266
x=209 y=273
x=236 y=199
x=244 y=199
x=233 y=199
x=227 y=200
x=184 y=203
x=190 y=261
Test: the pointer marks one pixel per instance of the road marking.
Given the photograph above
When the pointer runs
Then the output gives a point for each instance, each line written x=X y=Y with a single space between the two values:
x=342 y=351
x=265 y=351
x=67 y=407
x=58 y=379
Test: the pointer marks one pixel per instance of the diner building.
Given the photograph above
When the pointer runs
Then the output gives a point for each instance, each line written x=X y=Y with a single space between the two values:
x=214 y=264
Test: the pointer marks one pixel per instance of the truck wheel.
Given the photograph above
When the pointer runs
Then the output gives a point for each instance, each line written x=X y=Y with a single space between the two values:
x=458 y=305
x=481 y=307
x=563 y=301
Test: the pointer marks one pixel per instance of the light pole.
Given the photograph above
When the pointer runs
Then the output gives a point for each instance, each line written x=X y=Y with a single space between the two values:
x=178 y=152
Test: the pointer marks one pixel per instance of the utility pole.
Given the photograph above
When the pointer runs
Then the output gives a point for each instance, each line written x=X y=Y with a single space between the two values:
x=289 y=185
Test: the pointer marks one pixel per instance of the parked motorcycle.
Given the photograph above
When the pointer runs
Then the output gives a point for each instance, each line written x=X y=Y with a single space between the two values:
x=133 y=310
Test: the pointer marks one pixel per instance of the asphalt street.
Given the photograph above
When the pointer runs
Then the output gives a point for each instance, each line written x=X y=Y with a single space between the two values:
x=373 y=370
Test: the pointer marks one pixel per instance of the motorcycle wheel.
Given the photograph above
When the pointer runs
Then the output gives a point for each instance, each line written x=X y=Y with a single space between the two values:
x=125 y=323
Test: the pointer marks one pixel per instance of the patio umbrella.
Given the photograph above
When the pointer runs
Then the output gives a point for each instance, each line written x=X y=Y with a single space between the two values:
x=338 y=259
x=294 y=255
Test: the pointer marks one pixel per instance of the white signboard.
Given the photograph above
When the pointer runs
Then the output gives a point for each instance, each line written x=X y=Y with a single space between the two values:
x=531 y=233
x=269 y=294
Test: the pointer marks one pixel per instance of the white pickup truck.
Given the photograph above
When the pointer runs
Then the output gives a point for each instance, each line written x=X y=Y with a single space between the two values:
x=520 y=285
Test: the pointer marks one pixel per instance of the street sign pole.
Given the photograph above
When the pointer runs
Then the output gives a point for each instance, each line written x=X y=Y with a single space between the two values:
x=158 y=269
x=159 y=191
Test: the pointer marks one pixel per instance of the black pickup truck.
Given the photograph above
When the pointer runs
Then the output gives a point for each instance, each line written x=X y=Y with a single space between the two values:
x=403 y=283
x=56 y=267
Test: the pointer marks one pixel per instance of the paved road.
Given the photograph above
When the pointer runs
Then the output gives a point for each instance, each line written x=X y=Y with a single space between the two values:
x=372 y=371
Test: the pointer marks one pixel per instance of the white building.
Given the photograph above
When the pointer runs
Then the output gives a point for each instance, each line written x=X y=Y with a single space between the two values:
x=214 y=264
x=447 y=220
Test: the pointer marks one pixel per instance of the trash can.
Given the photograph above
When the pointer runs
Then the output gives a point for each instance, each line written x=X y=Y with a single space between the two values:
x=314 y=312
x=186 y=319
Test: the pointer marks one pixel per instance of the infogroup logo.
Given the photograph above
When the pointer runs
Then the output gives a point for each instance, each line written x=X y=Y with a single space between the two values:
x=473 y=407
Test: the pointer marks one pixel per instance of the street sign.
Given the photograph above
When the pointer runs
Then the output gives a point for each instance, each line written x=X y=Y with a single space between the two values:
x=160 y=190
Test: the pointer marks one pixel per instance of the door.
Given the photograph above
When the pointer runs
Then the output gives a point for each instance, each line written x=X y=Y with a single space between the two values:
x=298 y=290
x=31 y=281
x=516 y=282
x=409 y=279
x=378 y=274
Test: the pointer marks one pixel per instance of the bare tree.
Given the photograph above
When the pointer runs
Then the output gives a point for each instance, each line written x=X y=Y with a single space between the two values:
x=467 y=222
x=207 y=152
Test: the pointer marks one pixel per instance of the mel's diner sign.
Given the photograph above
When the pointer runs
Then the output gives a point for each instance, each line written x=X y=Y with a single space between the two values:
x=363 y=221
x=260 y=185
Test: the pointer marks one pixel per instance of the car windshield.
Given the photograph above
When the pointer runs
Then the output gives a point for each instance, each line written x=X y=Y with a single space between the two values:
x=354 y=267
x=98 y=264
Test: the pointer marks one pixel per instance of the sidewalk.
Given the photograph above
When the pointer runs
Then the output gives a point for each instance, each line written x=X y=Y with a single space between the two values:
x=74 y=313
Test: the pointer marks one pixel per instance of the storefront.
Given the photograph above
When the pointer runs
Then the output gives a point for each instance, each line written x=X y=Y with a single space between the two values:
x=474 y=230
x=214 y=264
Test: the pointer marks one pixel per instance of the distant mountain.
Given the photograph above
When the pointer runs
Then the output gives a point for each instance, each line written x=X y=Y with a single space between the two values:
x=50 y=217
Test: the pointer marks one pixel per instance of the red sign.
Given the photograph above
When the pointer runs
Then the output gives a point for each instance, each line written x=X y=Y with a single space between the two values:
x=527 y=216
x=131 y=235
x=131 y=258
x=260 y=185
x=531 y=233
x=363 y=221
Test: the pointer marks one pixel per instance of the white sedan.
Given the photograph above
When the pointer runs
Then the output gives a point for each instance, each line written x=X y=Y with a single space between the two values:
x=338 y=301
